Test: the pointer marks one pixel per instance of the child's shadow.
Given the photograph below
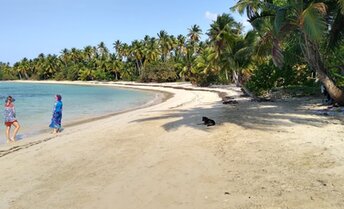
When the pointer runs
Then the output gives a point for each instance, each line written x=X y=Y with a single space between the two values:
x=20 y=137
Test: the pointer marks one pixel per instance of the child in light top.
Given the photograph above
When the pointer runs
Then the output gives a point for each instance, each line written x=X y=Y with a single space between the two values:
x=10 y=119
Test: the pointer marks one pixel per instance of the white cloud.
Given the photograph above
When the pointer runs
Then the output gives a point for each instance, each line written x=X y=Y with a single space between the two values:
x=210 y=16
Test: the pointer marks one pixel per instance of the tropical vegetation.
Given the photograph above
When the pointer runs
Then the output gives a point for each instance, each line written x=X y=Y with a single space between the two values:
x=292 y=43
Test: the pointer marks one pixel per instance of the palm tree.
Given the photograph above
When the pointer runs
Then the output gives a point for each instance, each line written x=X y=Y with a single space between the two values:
x=195 y=33
x=223 y=34
x=188 y=64
x=181 y=46
x=115 y=67
x=206 y=67
x=88 y=53
x=65 y=57
x=151 y=50
x=137 y=53
x=103 y=51
x=23 y=68
x=118 y=48
x=165 y=44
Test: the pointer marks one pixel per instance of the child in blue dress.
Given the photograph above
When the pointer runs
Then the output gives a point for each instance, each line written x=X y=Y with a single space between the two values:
x=57 y=115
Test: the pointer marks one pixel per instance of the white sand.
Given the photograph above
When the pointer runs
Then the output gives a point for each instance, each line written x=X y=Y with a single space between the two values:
x=259 y=155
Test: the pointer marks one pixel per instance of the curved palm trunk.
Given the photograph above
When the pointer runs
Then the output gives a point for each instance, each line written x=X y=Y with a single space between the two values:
x=26 y=75
x=236 y=78
x=226 y=73
x=313 y=58
x=138 y=67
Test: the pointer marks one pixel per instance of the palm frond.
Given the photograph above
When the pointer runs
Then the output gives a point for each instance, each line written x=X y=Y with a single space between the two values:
x=243 y=53
x=264 y=45
x=279 y=19
x=313 y=22
x=341 y=5
x=250 y=6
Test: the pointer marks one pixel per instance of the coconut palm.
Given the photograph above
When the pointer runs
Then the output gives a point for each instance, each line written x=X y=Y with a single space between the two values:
x=103 y=51
x=118 y=48
x=195 y=33
x=151 y=49
x=166 y=44
x=88 y=53
x=223 y=35
x=180 y=46
x=136 y=52
x=23 y=68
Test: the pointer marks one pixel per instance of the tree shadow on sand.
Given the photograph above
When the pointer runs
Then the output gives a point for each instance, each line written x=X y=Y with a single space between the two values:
x=266 y=116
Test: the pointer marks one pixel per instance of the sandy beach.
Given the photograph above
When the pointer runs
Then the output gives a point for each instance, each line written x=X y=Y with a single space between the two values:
x=259 y=155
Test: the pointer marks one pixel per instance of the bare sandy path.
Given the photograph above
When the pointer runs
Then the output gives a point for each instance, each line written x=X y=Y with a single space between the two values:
x=260 y=155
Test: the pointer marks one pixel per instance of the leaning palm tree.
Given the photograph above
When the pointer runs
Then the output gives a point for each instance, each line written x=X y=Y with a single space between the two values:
x=308 y=19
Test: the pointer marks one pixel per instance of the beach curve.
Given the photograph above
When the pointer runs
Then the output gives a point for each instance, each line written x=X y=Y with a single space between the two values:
x=159 y=157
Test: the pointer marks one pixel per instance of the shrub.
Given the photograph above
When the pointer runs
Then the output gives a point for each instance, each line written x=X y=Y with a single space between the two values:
x=267 y=76
x=203 y=80
x=159 y=72
x=263 y=79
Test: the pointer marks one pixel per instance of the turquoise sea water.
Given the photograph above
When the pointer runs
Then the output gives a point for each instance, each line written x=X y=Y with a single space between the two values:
x=34 y=103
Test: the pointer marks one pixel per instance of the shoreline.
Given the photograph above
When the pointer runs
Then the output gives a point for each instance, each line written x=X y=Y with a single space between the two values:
x=160 y=97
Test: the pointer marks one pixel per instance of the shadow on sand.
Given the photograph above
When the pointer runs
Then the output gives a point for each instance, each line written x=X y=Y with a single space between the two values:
x=250 y=115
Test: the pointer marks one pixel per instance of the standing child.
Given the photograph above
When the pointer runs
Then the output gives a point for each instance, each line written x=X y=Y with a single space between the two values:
x=57 y=115
x=10 y=119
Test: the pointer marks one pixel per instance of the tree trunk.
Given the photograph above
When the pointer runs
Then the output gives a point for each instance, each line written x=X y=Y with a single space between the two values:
x=26 y=76
x=138 y=67
x=236 y=78
x=312 y=55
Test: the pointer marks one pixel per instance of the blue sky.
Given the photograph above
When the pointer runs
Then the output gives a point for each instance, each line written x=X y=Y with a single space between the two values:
x=30 y=27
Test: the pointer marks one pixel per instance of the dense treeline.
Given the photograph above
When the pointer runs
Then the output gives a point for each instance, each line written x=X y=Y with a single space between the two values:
x=291 y=43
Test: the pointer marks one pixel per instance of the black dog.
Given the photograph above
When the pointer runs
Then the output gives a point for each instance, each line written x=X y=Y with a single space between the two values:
x=208 y=122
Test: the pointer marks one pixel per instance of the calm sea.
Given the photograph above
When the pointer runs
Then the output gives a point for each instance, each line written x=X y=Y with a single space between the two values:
x=34 y=103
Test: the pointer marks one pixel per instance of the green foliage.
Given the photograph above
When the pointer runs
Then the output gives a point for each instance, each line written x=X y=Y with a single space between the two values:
x=337 y=75
x=100 y=74
x=203 y=79
x=86 y=74
x=6 y=73
x=263 y=79
x=313 y=22
x=159 y=72
x=267 y=76
x=72 y=73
